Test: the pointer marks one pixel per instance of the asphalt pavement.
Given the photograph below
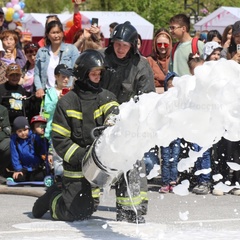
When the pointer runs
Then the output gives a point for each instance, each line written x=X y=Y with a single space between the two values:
x=170 y=216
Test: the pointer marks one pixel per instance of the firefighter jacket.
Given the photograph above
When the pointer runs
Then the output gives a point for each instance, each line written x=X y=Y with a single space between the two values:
x=76 y=114
x=127 y=77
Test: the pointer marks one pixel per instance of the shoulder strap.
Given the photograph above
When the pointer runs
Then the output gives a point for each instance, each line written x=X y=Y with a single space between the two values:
x=194 y=45
x=174 y=49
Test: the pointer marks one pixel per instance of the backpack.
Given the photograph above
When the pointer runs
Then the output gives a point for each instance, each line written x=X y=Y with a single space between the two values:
x=194 y=47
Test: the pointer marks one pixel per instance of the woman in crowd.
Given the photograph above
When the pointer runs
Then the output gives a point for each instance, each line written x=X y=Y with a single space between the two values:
x=214 y=35
x=235 y=40
x=160 y=57
x=77 y=24
x=226 y=40
x=30 y=50
x=48 y=57
x=27 y=82
x=12 y=53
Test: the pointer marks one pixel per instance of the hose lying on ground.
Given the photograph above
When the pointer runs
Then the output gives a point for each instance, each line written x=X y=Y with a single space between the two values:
x=21 y=191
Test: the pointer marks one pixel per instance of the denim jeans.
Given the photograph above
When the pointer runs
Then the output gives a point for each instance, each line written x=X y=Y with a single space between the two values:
x=203 y=162
x=170 y=157
x=150 y=158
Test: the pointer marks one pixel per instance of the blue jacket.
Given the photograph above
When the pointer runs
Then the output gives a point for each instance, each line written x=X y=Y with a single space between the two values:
x=68 y=54
x=26 y=153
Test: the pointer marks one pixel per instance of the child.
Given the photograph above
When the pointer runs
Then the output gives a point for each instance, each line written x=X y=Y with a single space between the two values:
x=12 y=94
x=170 y=154
x=62 y=74
x=194 y=61
x=38 y=125
x=212 y=51
x=26 y=151
x=203 y=180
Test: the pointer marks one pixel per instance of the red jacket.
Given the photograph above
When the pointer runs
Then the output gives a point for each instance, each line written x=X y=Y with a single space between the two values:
x=68 y=35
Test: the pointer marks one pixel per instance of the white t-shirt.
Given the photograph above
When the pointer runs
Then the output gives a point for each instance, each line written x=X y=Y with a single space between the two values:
x=53 y=62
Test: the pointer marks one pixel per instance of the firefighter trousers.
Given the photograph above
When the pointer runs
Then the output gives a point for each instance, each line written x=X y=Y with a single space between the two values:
x=131 y=191
x=75 y=202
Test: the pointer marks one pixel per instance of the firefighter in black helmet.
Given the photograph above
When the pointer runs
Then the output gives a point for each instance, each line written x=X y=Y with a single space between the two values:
x=85 y=107
x=128 y=75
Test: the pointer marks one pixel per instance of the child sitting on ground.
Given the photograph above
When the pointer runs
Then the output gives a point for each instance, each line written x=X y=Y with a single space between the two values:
x=26 y=151
x=38 y=125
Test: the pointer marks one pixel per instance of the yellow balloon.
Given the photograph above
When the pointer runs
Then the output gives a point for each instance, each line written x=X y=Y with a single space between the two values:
x=9 y=14
x=10 y=11
x=8 y=17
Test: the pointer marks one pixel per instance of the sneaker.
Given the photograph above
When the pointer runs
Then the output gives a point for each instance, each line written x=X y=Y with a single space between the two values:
x=171 y=186
x=41 y=206
x=217 y=192
x=129 y=216
x=202 y=188
x=164 y=189
x=235 y=191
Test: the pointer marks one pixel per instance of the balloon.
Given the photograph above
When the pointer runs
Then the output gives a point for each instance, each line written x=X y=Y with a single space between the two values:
x=4 y=10
x=8 y=17
x=69 y=24
x=12 y=26
x=16 y=7
x=22 y=5
x=9 y=14
x=23 y=18
x=9 y=5
x=16 y=16
x=21 y=13
x=10 y=11
x=14 y=2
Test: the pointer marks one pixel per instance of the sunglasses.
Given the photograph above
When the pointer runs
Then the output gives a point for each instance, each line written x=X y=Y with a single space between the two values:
x=165 y=45
x=30 y=51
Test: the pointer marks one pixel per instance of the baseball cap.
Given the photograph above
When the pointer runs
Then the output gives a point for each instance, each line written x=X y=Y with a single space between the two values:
x=1 y=11
x=63 y=69
x=20 y=123
x=13 y=68
x=209 y=47
x=236 y=28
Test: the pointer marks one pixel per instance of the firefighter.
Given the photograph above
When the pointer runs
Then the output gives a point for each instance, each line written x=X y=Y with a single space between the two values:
x=82 y=109
x=129 y=74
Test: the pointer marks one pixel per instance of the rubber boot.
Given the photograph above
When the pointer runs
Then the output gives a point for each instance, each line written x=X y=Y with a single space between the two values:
x=129 y=216
x=41 y=206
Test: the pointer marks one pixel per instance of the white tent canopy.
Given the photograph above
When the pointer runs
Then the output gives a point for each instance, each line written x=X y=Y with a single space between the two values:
x=35 y=22
x=219 y=19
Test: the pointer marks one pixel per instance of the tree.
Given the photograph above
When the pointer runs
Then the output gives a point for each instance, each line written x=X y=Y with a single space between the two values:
x=158 y=12
x=47 y=6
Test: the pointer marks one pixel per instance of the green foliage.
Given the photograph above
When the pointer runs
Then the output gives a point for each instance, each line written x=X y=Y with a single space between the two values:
x=47 y=6
x=158 y=12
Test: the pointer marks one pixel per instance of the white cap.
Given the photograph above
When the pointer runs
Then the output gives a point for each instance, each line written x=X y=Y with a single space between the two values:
x=1 y=47
x=209 y=47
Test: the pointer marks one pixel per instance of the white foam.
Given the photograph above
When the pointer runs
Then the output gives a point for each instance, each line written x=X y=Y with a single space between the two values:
x=201 y=109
